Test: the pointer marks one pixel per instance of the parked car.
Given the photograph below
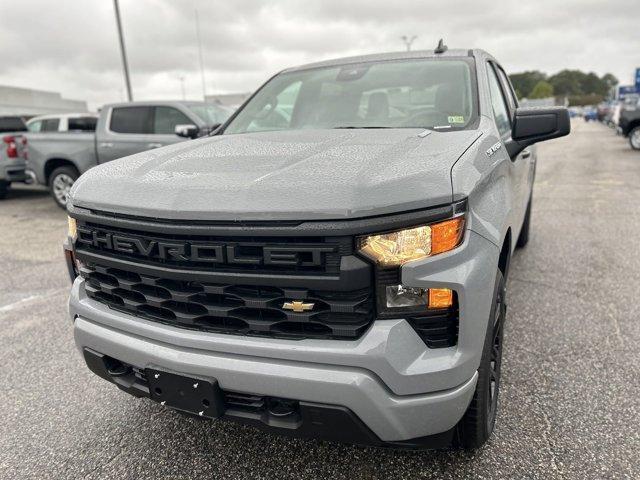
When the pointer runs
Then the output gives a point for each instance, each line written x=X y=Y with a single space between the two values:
x=58 y=158
x=13 y=152
x=590 y=114
x=603 y=111
x=629 y=123
x=66 y=122
x=575 y=112
x=331 y=263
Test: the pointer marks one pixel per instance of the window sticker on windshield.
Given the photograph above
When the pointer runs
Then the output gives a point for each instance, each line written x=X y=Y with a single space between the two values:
x=456 y=119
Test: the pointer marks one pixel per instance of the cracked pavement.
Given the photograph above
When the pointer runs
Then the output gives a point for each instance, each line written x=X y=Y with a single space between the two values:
x=569 y=407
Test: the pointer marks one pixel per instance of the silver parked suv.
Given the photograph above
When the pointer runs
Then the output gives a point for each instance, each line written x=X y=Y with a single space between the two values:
x=331 y=263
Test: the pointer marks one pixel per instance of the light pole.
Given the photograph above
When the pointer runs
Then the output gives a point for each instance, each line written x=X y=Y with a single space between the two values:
x=408 y=41
x=125 y=65
x=181 y=77
x=204 y=87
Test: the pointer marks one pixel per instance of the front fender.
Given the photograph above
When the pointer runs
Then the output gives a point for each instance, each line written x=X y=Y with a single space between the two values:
x=485 y=181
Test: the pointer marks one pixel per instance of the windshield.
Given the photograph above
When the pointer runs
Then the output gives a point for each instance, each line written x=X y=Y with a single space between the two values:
x=211 y=114
x=424 y=93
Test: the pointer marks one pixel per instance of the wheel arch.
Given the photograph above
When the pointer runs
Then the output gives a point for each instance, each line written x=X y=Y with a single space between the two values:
x=505 y=254
x=54 y=163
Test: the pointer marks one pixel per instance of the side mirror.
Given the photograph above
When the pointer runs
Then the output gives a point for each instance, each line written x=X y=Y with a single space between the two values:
x=187 y=131
x=532 y=125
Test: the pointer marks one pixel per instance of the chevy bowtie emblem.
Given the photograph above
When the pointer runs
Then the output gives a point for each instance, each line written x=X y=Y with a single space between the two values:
x=297 y=306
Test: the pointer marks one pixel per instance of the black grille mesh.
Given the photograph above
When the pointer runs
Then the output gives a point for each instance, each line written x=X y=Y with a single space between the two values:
x=227 y=308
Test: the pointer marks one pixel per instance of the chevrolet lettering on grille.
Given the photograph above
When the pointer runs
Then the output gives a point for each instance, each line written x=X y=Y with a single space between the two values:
x=237 y=253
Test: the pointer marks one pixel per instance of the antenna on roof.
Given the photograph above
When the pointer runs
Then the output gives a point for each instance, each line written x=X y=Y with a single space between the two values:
x=441 y=48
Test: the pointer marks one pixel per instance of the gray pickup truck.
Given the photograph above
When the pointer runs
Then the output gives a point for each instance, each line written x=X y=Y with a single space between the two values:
x=57 y=159
x=331 y=263
x=13 y=152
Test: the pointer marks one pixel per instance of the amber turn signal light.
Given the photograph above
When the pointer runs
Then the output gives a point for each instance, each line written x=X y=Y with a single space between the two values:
x=440 y=297
x=446 y=235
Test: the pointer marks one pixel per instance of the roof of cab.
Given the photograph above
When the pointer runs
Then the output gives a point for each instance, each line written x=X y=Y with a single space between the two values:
x=381 y=57
x=156 y=103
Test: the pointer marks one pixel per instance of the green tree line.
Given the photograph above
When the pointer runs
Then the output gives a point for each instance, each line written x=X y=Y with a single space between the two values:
x=581 y=88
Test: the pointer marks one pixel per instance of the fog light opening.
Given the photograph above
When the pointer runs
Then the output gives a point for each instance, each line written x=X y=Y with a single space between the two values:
x=401 y=296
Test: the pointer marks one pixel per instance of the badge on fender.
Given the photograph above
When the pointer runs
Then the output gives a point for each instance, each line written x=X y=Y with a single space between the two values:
x=493 y=149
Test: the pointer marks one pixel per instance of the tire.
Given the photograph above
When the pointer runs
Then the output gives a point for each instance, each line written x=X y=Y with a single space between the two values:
x=634 y=138
x=60 y=182
x=523 y=238
x=478 y=422
x=4 y=189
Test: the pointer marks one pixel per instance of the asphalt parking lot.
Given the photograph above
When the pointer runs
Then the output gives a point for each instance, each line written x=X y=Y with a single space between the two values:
x=570 y=404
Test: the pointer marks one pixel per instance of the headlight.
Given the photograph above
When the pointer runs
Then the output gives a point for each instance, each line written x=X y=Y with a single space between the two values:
x=73 y=228
x=397 y=248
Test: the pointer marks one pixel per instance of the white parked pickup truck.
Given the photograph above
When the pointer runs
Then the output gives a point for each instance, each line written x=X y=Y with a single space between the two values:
x=65 y=122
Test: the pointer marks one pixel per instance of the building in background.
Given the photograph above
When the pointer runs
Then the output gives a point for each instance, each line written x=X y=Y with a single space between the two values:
x=27 y=102
x=232 y=100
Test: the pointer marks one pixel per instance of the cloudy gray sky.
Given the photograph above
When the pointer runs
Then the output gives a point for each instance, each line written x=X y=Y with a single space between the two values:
x=71 y=46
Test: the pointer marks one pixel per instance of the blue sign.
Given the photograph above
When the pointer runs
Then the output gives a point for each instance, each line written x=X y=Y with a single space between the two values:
x=624 y=90
x=637 y=79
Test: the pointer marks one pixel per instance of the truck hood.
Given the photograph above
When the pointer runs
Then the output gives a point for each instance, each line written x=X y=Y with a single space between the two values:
x=288 y=175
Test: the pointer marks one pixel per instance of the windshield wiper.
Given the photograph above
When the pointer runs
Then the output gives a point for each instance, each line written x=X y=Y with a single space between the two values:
x=354 y=127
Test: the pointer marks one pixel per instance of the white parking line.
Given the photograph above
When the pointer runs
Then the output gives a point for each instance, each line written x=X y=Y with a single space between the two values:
x=30 y=298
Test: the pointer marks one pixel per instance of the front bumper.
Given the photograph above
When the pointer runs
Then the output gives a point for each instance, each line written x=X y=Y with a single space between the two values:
x=391 y=382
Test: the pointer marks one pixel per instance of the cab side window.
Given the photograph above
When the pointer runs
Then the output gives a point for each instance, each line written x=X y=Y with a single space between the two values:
x=506 y=87
x=165 y=120
x=500 y=112
x=50 y=125
x=35 y=126
x=131 y=120
x=82 y=124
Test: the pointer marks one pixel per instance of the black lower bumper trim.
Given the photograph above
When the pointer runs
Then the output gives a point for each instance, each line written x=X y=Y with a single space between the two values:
x=308 y=420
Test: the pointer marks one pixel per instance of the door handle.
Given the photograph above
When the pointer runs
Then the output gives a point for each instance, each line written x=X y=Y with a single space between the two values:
x=526 y=154
x=154 y=145
x=106 y=145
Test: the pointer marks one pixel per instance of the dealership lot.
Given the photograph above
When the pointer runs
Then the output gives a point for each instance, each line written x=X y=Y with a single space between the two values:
x=570 y=403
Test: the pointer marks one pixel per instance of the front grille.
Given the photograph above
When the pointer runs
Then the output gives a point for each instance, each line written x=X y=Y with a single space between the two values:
x=229 y=308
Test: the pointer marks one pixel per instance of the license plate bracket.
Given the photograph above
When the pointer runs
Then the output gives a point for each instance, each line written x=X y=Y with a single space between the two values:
x=198 y=396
